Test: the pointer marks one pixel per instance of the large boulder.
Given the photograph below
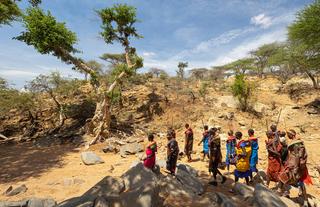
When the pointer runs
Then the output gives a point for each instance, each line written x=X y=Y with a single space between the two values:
x=188 y=169
x=245 y=191
x=146 y=195
x=263 y=197
x=189 y=181
x=137 y=176
x=224 y=201
x=130 y=149
x=171 y=186
x=107 y=187
x=90 y=158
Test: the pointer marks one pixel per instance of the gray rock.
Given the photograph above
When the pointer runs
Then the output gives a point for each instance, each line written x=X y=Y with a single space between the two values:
x=189 y=181
x=224 y=201
x=90 y=158
x=263 y=197
x=101 y=202
x=146 y=195
x=171 y=186
x=188 y=169
x=72 y=181
x=107 y=187
x=12 y=192
x=41 y=202
x=22 y=203
x=138 y=176
x=245 y=191
x=130 y=149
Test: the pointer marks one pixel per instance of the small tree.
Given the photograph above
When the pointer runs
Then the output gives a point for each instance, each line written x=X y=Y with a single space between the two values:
x=164 y=75
x=181 y=68
x=94 y=65
x=243 y=91
x=54 y=85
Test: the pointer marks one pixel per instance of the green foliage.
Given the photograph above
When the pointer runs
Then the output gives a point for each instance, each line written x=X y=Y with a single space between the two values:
x=262 y=54
x=46 y=35
x=241 y=66
x=114 y=59
x=13 y=99
x=118 y=24
x=180 y=72
x=9 y=11
x=243 y=91
x=306 y=27
x=203 y=90
x=163 y=75
x=35 y=3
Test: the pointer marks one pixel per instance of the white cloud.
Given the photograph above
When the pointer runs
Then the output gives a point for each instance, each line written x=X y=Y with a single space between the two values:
x=148 y=54
x=213 y=43
x=14 y=73
x=245 y=47
x=261 y=20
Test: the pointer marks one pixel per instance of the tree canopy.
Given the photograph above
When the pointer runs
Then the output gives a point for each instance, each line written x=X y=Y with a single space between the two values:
x=9 y=11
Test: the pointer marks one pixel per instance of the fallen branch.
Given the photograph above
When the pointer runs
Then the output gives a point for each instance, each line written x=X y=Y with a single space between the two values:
x=3 y=137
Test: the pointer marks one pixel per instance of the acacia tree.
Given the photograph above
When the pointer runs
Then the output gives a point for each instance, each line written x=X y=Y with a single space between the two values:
x=241 y=66
x=48 y=36
x=180 y=72
x=117 y=26
x=305 y=40
x=198 y=73
x=261 y=56
x=94 y=65
x=156 y=71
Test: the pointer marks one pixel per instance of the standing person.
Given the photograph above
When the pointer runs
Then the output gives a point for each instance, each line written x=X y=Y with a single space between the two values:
x=284 y=150
x=243 y=153
x=205 y=141
x=254 y=152
x=172 y=152
x=230 y=147
x=274 y=158
x=295 y=171
x=188 y=142
x=215 y=156
x=151 y=149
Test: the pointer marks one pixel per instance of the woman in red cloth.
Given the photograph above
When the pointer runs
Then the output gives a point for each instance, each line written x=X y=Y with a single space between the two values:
x=274 y=158
x=150 y=160
x=295 y=171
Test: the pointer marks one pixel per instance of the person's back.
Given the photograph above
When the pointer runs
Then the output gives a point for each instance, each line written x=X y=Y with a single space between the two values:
x=243 y=152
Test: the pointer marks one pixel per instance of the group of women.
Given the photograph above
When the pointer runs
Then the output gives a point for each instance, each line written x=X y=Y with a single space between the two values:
x=286 y=161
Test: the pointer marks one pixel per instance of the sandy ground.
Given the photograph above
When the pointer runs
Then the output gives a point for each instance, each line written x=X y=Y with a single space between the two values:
x=47 y=171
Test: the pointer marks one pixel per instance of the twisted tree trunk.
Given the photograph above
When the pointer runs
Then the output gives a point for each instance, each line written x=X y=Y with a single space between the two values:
x=102 y=117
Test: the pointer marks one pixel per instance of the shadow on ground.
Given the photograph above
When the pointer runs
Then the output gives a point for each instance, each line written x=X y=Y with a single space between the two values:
x=22 y=161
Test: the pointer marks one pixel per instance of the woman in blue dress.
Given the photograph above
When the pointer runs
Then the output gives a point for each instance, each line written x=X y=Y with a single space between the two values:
x=205 y=141
x=231 y=152
x=254 y=152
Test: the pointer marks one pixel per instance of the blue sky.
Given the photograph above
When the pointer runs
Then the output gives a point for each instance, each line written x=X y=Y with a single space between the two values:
x=203 y=32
